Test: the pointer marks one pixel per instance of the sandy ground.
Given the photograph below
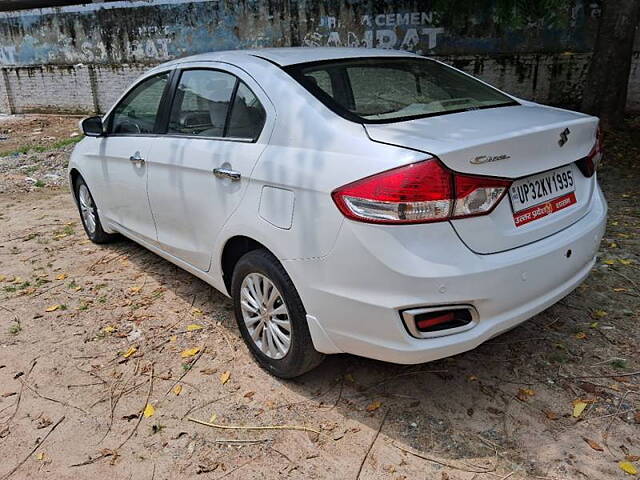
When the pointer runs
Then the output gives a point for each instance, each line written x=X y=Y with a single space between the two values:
x=91 y=335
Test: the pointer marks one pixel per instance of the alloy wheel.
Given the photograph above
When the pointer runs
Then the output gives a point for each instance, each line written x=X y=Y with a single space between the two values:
x=265 y=315
x=87 y=209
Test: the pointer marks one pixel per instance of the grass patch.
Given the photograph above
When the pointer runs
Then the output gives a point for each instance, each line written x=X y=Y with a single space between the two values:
x=39 y=184
x=83 y=307
x=619 y=363
x=15 y=329
x=67 y=141
x=24 y=149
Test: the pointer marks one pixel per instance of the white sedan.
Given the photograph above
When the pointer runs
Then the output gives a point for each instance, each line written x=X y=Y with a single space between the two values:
x=372 y=202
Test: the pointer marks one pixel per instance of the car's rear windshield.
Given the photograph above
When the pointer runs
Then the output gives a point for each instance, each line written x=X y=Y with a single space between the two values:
x=384 y=89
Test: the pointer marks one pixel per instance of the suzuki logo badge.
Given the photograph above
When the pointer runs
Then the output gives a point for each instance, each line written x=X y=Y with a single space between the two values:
x=564 y=136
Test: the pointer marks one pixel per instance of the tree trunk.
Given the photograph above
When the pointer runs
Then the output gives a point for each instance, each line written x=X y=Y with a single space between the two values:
x=605 y=88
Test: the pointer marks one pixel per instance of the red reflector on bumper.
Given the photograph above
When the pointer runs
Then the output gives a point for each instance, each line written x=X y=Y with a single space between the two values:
x=433 y=321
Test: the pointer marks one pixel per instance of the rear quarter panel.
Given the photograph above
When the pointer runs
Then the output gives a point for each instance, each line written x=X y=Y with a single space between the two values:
x=311 y=152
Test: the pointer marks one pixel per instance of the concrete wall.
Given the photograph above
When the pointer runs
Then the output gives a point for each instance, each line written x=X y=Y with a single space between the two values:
x=79 y=58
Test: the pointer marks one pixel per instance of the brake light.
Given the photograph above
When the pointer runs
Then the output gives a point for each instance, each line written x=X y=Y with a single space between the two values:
x=417 y=193
x=589 y=164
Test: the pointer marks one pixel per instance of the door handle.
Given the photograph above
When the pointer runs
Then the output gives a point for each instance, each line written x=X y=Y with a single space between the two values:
x=136 y=158
x=226 y=173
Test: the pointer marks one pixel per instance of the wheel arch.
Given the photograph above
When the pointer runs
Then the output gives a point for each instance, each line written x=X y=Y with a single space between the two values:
x=234 y=248
x=74 y=174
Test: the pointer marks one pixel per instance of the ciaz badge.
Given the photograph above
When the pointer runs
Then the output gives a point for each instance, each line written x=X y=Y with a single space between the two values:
x=488 y=159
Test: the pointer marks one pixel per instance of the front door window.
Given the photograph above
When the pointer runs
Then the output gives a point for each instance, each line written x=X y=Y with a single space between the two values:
x=138 y=110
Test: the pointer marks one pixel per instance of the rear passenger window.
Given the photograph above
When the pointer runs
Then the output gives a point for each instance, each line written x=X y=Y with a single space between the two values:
x=201 y=103
x=247 y=115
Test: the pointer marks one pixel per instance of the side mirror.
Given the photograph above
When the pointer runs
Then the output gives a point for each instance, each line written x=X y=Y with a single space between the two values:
x=92 y=127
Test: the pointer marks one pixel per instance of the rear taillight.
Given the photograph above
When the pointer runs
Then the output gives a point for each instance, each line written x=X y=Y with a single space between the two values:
x=477 y=195
x=589 y=164
x=417 y=193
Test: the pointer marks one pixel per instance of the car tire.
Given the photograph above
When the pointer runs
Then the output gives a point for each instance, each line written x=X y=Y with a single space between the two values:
x=255 y=276
x=89 y=214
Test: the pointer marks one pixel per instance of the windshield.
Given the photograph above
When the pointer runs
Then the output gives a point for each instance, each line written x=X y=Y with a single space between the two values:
x=383 y=89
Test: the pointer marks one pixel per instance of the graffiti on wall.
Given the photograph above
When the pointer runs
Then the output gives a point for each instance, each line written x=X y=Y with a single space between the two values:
x=143 y=32
x=406 y=31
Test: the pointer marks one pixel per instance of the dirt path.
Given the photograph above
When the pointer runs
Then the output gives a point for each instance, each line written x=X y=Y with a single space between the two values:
x=91 y=335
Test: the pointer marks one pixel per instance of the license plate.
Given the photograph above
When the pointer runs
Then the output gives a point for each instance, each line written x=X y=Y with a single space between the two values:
x=540 y=195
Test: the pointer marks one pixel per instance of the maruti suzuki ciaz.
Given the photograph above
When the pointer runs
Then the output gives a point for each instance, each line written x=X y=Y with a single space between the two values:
x=373 y=202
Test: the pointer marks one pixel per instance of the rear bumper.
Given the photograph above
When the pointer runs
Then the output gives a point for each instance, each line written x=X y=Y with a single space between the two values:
x=355 y=294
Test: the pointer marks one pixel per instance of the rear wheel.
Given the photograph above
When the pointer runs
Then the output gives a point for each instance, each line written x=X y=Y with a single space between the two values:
x=89 y=214
x=271 y=317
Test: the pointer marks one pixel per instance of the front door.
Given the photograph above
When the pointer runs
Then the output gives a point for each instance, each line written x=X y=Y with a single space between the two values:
x=122 y=157
x=199 y=170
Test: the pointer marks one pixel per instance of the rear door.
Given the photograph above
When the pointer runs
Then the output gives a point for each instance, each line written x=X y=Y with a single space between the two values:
x=198 y=171
x=121 y=157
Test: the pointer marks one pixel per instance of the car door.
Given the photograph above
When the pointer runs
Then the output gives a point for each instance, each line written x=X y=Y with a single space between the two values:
x=120 y=165
x=216 y=130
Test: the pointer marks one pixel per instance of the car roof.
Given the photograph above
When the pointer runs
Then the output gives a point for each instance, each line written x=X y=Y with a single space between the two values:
x=289 y=55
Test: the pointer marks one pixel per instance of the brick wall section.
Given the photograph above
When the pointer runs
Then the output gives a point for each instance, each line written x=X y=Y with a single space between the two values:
x=50 y=89
x=547 y=79
x=5 y=105
x=66 y=89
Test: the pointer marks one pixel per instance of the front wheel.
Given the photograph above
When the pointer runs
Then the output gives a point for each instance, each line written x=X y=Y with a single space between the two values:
x=271 y=317
x=89 y=214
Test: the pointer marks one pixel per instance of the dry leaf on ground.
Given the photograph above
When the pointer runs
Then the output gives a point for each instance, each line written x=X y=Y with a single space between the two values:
x=524 y=393
x=149 y=411
x=129 y=352
x=578 y=408
x=628 y=467
x=596 y=446
x=224 y=378
x=189 y=352
x=373 y=406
